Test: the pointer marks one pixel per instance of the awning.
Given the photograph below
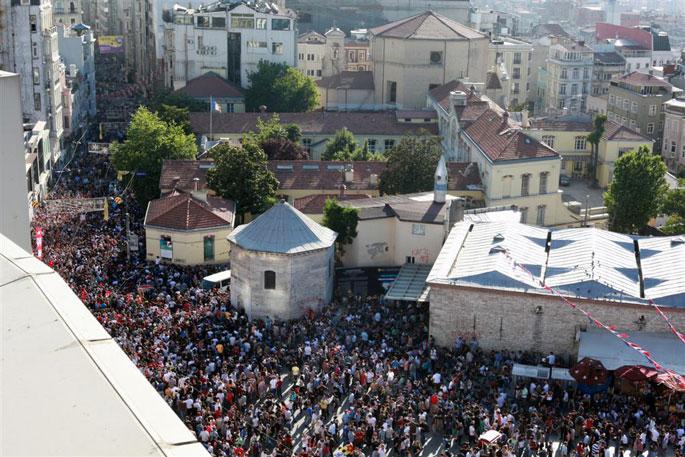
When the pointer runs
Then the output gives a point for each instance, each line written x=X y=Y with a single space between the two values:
x=665 y=348
x=410 y=284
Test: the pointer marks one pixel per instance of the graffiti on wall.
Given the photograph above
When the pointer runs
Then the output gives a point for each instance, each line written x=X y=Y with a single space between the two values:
x=376 y=249
x=421 y=255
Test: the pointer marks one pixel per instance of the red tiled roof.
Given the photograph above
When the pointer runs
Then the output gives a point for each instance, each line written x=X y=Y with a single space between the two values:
x=643 y=79
x=182 y=211
x=314 y=204
x=614 y=131
x=427 y=26
x=493 y=134
x=186 y=171
x=211 y=85
x=312 y=123
x=324 y=175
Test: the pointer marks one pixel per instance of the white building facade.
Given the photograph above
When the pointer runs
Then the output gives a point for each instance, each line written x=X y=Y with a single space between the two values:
x=673 y=146
x=229 y=39
x=569 y=76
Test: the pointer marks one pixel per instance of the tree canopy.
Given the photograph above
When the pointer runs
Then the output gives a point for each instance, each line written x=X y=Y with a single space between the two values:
x=175 y=115
x=411 y=165
x=179 y=99
x=673 y=205
x=594 y=138
x=241 y=174
x=150 y=141
x=343 y=147
x=278 y=141
x=636 y=191
x=281 y=89
x=343 y=221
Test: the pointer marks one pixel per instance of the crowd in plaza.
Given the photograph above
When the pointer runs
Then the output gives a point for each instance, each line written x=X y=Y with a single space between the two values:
x=362 y=377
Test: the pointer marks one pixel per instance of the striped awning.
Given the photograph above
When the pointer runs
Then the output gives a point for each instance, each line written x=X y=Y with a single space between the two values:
x=410 y=284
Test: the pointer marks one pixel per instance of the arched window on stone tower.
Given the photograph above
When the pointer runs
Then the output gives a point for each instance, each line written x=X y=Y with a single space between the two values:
x=269 y=279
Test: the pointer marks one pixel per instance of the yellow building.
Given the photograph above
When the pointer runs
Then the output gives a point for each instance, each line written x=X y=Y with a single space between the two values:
x=568 y=136
x=189 y=228
x=413 y=55
x=381 y=129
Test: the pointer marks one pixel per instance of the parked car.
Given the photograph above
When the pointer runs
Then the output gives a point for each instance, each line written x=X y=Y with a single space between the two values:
x=564 y=180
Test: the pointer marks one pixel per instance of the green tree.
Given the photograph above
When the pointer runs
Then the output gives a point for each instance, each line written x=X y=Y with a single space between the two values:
x=343 y=221
x=594 y=138
x=150 y=141
x=673 y=205
x=281 y=89
x=175 y=115
x=179 y=99
x=411 y=165
x=278 y=141
x=240 y=174
x=636 y=191
x=341 y=147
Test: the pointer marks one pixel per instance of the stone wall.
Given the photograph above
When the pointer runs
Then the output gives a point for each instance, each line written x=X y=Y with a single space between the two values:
x=513 y=321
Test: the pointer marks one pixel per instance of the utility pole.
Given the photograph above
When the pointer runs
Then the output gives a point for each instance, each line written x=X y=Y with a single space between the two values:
x=128 y=238
x=587 y=208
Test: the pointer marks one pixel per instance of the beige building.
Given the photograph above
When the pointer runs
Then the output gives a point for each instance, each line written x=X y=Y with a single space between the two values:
x=413 y=55
x=282 y=264
x=321 y=56
x=358 y=55
x=347 y=91
x=568 y=76
x=189 y=228
x=673 y=150
x=568 y=136
x=477 y=291
x=635 y=101
x=382 y=130
x=512 y=59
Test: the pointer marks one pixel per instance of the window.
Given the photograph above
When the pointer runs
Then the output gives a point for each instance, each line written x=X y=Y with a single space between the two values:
x=260 y=23
x=300 y=56
x=336 y=53
x=652 y=110
x=36 y=76
x=230 y=108
x=392 y=91
x=280 y=24
x=277 y=47
x=203 y=21
x=580 y=143
x=543 y=182
x=34 y=23
x=36 y=102
x=389 y=144
x=307 y=144
x=310 y=57
x=576 y=73
x=525 y=182
x=506 y=186
x=633 y=124
x=318 y=73
x=673 y=146
x=209 y=247
x=418 y=229
x=517 y=58
x=409 y=259
x=242 y=21
x=586 y=73
x=516 y=74
x=515 y=90
x=682 y=154
x=34 y=50
x=574 y=89
x=650 y=127
x=540 y=219
x=564 y=74
x=269 y=279
x=562 y=89
x=256 y=44
x=219 y=22
x=166 y=247
x=524 y=215
x=626 y=104
x=372 y=145
x=436 y=57
x=548 y=140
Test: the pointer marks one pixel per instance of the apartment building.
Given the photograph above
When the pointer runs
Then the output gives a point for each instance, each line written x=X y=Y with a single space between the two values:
x=358 y=53
x=321 y=56
x=673 y=149
x=607 y=66
x=635 y=101
x=416 y=54
x=67 y=12
x=229 y=39
x=568 y=76
x=512 y=61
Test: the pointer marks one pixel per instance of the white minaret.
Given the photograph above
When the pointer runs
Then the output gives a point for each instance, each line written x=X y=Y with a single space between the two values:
x=440 y=187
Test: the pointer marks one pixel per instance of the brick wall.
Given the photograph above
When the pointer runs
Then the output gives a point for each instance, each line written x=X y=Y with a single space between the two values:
x=506 y=320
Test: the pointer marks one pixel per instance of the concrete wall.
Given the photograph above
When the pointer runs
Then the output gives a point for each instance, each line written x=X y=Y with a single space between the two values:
x=407 y=62
x=506 y=320
x=374 y=244
x=188 y=246
x=303 y=281
x=14 y=210
x=423 y=248
x=346 y=99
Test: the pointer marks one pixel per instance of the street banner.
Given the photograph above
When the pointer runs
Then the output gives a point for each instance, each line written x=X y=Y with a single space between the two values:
x=111 y=44
x=39 y=242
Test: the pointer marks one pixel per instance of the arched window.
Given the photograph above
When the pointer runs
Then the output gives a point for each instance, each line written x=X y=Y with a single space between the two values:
x=269 y=279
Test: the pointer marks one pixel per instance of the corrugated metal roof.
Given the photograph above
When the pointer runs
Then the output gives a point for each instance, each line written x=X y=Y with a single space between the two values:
x=283 y=230
x=587 y=262
x=410 y=284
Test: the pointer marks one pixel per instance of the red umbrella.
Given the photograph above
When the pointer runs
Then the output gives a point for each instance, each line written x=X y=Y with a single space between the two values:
x=636 y=373
x=589 y=371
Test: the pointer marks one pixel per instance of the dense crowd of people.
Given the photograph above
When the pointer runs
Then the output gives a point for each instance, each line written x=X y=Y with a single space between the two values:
x=362 y=377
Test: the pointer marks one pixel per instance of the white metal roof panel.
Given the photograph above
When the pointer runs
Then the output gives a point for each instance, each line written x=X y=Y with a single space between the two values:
x=62 y=372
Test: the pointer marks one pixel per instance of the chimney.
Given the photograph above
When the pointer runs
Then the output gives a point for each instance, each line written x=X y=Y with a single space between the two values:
x=440 y=182
x=196 y=183
x=262 y=108
x=525 y=121
x=457 y=98
x=455 y=213
x=197 y=193
x=505 y=120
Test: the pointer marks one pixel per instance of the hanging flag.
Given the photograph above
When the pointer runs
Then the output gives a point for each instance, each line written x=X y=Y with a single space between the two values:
x=216 y=106
x=39 y=242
